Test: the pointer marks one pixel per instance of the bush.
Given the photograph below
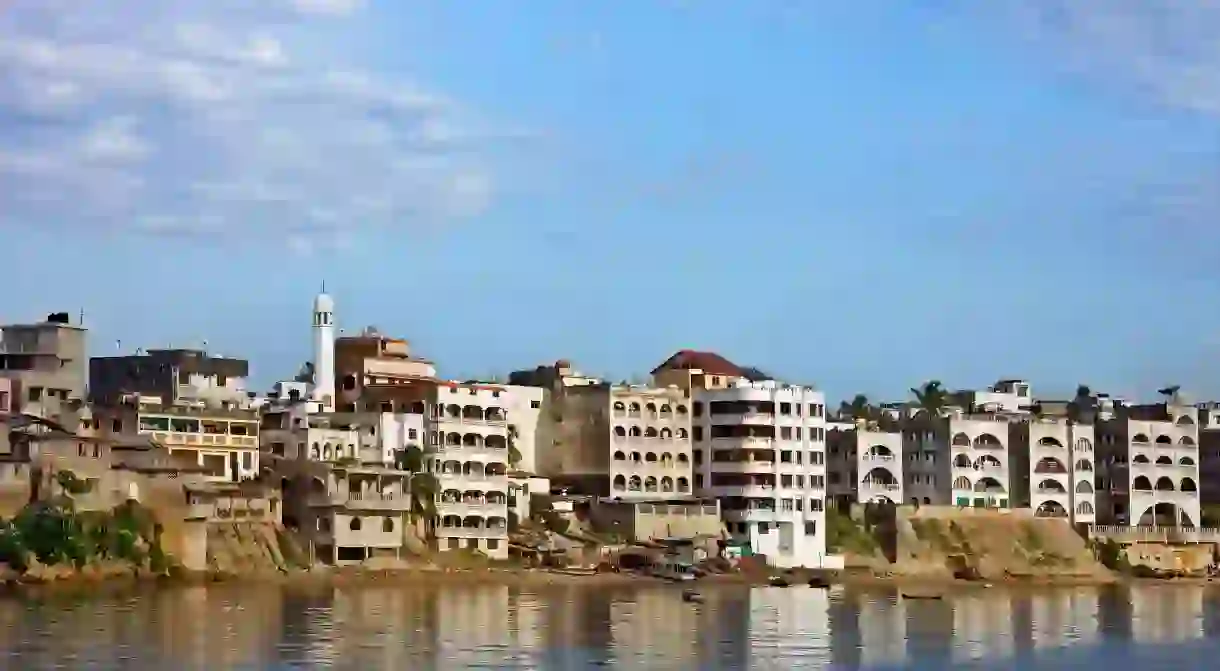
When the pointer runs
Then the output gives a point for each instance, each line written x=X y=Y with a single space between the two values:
x=844 y=535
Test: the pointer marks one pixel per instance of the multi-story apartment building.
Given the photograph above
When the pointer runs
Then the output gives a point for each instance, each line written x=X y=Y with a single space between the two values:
x=223 y=441
x=864 y=463
x=626 y=441
x=979 y=451
x=1209 y=453
x=1149 y=465
x=376 y=373
x=760 y=449
x=47 y=364
x=1057 y=462
x=468 y=440
x=173 y=375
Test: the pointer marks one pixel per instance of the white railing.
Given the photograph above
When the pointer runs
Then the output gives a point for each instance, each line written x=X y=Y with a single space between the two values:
x=1149 y=534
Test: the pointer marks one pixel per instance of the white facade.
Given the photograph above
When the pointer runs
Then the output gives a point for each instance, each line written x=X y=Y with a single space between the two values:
x=468 y=431
x=1011 y=396
x=397 y=431
x=761 y=452
x=1062 y=470
x=879 y=465
x=1163 y=459
x=979 y=452
x=324 y=351
x=650 y=442
x=524 y=407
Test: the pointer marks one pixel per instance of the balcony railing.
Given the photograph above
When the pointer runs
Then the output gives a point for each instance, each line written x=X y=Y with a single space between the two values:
x=471 y=532
x=876 y=457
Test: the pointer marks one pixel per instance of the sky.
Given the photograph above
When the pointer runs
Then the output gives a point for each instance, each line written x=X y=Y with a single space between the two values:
x=861 y=196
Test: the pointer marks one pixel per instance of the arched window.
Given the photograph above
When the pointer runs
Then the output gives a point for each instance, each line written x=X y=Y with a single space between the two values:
x=355 y=525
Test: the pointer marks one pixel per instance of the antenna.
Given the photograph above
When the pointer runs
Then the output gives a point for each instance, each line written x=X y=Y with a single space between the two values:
x=82 y=317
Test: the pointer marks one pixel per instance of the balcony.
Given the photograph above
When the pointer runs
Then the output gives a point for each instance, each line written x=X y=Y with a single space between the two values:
x=472 y=532
x=362 y=501
x=753 y=466
x=463 y=508
x=203 y=440
x=876 y=457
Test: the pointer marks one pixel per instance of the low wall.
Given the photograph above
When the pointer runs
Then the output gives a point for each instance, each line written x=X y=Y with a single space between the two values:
x=1167 y=535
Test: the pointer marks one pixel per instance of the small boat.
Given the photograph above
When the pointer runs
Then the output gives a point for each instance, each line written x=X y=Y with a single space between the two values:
x=928 y=595
x=819 y=582
x=691 y=596
x=777 y=581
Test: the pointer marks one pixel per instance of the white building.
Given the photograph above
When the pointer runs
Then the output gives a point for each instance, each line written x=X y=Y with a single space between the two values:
x=979 y=454
x=523 y=406
x=468 y=432
x=1061 y=468
x=324 y=351
x=879 y=466
x=650 y=429
x=1151 y=470
x=760 y=449
x=1008 y=396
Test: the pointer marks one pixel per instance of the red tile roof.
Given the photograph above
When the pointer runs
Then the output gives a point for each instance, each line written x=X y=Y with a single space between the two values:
x=708 y=362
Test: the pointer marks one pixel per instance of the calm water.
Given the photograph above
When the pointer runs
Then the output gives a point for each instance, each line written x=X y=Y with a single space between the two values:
x=647 y=628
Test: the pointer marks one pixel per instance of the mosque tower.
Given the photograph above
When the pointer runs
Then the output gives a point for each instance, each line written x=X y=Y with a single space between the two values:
x=324 y=351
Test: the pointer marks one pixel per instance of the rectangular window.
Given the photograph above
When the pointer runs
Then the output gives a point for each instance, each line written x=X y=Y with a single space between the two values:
x=811 y=528
x=535 y=404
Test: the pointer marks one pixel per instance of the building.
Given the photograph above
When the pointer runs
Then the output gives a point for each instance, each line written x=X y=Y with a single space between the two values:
x=1005 y=396
x=47 y=366
x=760 y=448
x=173 y=375
x=1209 y=454
x=980 y=457
x=376 y=373
x=468 y=445
x=599 y=439
x=224 y=441
x=1149 y=460
x=1058 y=467
x=324 y=351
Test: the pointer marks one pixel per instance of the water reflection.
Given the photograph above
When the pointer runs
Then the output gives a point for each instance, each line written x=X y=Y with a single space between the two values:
x=498 y=627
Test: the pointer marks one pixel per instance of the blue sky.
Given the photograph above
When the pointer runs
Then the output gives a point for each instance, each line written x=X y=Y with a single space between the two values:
x=857 y=195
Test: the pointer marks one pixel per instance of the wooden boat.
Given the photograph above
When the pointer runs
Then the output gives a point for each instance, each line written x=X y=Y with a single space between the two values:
x=819 y=582
x=777 y=581
x=691 y=596
x=923 y=594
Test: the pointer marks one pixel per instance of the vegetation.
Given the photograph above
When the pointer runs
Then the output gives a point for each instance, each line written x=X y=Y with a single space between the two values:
x=858 y=408
x=844 y=535
x=57 y=534
x=423 y=486
x=931 y=397
x=514 y=455
x=1111 y=555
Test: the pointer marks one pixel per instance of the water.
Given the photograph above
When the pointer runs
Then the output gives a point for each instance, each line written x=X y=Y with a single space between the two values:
x=263 y=628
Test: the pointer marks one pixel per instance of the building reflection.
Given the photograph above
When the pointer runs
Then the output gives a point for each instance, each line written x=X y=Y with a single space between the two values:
x=651 y=627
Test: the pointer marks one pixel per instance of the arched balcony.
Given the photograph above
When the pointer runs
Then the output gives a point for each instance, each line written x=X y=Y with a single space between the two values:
x=683 y=434
x=961 y=440
x=633 y=409
x=635 y=432
x=680 y=410
x=453 y=411
x=1050 y=442
x=619 y=455
x=1188 y=485
x=962 y=482
x=620 y=433
x=1084 y=487
x=472 y=522
x=879 y=453
x=1166 y=515
x=1141 y=484
x=666 y=434
x=1164 y=461
x=472 y=413
x=1140 y=439
x=1186 y=441
x=1164 y=440
x=650 y=409
x=1140 y=459
x=1186 y=461
x=1049 y=465
x=620 y=483
x=453 y=439
x=497 y=498
x=451 y=522
x=987 y=462
x=650 y=432
x=1185 y=420
x=962 y=461
x=495 y=443
x=650 y=484
x=880 y=477
x=650 y=458
x=667 y=412
x=1051 y=509
x=667 y=460
x=683 y=485
x=494 y=414
x=451 y=496
x=1084 y=465
x=1051 y=487
x=472 y=440
x=1164 y=484
x=667 y=484
x=1084 y=508
x=683 y=458
x=451 y=467
x=1083 y=445
x=986 y=441
x=635 y=484
x=620 y=408
x=988 y=485
x=637 y=458
x=474 y=469
x=496 y=470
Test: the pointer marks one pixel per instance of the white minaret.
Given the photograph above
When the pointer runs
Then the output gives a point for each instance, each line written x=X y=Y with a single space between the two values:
x=324 y=350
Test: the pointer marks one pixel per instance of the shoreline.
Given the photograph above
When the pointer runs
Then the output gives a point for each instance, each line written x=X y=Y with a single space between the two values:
x=329 y=578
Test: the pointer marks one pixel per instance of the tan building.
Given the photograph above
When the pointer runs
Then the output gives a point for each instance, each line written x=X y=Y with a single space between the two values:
x=223 y=441
x=376 y=373
x=48 y=364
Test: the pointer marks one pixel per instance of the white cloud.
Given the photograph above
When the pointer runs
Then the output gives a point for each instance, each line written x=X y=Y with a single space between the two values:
x=205 y=120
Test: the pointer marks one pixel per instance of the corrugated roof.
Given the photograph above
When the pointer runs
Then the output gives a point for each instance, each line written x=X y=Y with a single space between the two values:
x=708 y=362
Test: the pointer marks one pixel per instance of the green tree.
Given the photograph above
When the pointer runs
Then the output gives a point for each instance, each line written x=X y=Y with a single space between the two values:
x=858 y=408
x=422 y=484
x=931 y=397
x=514 y=455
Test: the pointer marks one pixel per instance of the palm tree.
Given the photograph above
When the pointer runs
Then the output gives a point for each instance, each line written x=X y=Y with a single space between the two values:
x=1170 y=392
x=422 y=485
x=858 y=408
x=514 y=455
x=931 y=397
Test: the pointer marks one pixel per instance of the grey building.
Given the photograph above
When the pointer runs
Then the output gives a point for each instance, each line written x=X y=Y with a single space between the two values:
x=46 y=362
x=174 y=375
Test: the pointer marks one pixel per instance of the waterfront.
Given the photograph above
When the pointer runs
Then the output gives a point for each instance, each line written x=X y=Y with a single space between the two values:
x=240 y=627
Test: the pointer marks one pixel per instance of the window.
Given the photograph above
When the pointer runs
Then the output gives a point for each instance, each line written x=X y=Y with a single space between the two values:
x=817 y=458
x=815 y=505
x=412 y=434
x=785 y=433
x=493 y=543
x=535 y=404
x=763 y=528
x=388 y=525
x=355 y=525
x=811 y=528
x=35 y=393
x=817 y=482
x=247 y=460
x=698 y=431
x=786 y=505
